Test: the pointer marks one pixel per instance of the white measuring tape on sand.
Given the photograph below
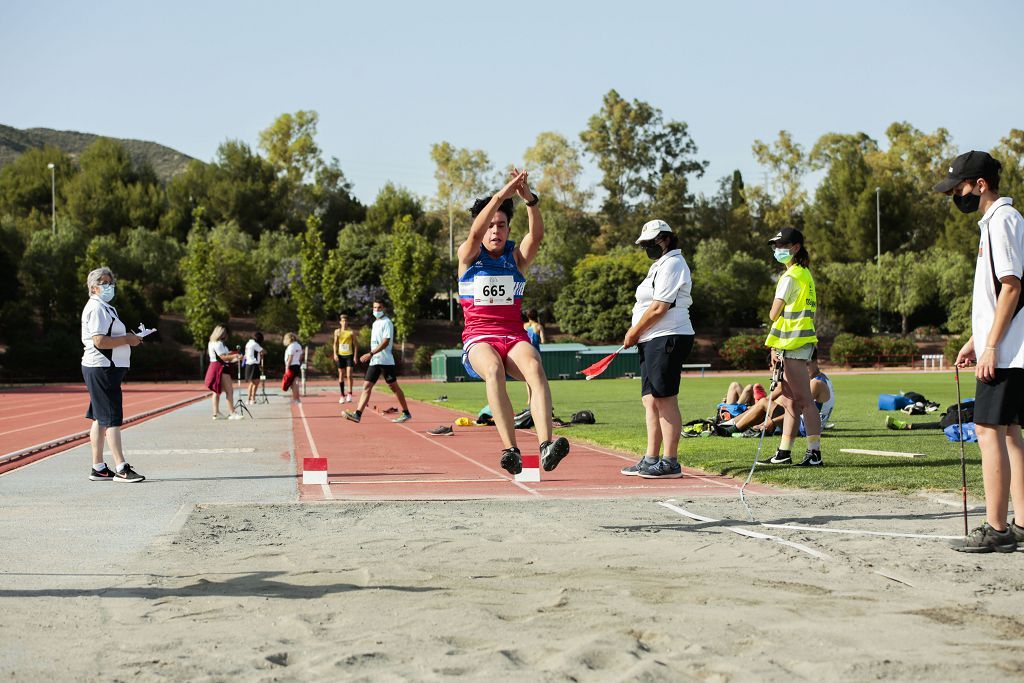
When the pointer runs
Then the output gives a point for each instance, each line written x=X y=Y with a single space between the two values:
x=794 y=527
x=746 y=532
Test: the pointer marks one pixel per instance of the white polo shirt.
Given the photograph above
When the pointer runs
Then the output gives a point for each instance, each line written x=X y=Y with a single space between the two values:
x=668 y=280
x=101 y=318
x=1004 y=226
x=293 y=354
x=382 y=329
x=252 y=352
x=216 y=349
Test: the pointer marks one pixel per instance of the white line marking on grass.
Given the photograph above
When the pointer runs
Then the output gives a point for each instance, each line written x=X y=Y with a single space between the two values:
x=747 y=532
x=316 y=454
x=435 y=442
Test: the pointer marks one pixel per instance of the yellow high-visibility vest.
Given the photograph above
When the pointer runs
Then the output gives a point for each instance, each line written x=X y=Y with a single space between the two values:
x=795 y=326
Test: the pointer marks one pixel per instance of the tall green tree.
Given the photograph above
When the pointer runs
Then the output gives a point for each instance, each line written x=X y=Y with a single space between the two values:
x=199 y=273
x=26 y=185
x=645 y=163
x=48 y=275
x=290 y=145
x=555 y=170
x=409 y=268
x=730 y=287
x=781 y=200
x=307 y=292
x=596 y=304
x=461 y=176
x=109 y=194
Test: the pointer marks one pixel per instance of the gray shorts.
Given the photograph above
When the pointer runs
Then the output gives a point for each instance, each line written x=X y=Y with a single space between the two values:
x=803 y=353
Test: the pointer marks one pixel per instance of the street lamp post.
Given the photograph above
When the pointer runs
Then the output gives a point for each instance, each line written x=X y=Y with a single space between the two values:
x=878 y=252
x=53 y=196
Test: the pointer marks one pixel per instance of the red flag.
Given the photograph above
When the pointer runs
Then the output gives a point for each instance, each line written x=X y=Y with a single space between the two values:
x=601 y=365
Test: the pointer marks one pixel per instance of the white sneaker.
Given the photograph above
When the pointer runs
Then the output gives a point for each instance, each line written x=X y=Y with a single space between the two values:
x=236 y=416
x=218 y=416
x=348 y=399
x=341 y=400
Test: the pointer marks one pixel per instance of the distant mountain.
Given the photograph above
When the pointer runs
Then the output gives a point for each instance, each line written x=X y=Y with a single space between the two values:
x=165 y=161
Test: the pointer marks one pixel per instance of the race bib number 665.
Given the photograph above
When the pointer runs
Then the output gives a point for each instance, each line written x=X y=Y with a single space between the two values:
x=493 y=290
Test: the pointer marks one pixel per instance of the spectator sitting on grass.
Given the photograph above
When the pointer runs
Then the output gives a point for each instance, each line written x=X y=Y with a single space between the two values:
x=749 y=422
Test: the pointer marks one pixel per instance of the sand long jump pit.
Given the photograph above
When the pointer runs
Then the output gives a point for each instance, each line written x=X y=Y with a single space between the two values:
x=534 y=590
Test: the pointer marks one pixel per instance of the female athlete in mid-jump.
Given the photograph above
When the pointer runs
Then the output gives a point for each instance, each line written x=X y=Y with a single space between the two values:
x=494 y=343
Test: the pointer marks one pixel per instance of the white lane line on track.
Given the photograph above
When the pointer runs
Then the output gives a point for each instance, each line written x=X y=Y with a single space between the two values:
x=746 y=532
x=128 y=421
x=859 y=532
x=413 y=481
x=79 y=416
x=722 y=484
x=190 y=451
x=312 y=448
x=467 y=459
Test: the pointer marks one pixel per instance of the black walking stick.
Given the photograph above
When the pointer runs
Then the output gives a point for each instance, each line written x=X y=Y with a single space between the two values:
x=960 y=430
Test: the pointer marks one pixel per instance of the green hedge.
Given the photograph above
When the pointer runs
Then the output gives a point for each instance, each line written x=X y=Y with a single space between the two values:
x=850 y=349
x=745 y=352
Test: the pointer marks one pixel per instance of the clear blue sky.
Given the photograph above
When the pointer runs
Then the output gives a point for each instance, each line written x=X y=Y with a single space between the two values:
x=390 y=78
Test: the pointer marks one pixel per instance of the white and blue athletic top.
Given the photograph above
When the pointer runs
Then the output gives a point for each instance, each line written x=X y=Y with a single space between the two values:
x=491 y=295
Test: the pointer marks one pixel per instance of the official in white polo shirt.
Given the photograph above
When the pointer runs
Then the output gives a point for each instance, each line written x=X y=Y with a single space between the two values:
x=996 y=345
x=662 y=332
x=104 y=364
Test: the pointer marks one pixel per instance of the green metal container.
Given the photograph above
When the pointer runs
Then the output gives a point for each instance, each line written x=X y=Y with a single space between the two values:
x=446 y=366
x=626 y=363
x=561 y=361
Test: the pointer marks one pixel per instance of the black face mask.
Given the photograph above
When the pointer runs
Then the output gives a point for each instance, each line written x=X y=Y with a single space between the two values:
x=653 y=252
x=967 y=203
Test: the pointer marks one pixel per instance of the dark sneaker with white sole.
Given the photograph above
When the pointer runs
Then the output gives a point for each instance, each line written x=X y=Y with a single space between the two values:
x=443 y=430
x=106 y=474
x=663 y=469
x=634 y=469
x=1017 y=531
x=986 y=539
x=352 y=416
x=781 y=457
x=128 y=475
x=811 y=459
x=404 y=417
x=512 y=460
x=552 y=452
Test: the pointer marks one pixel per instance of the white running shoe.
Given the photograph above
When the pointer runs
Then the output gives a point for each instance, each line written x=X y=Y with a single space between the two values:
x=236 y=416
x=341 y=400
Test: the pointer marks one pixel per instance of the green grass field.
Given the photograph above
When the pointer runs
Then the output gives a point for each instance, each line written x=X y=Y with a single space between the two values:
x=859 y=424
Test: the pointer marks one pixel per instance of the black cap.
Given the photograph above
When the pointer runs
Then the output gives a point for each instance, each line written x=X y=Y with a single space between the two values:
x=788 y=236
x=968 y=166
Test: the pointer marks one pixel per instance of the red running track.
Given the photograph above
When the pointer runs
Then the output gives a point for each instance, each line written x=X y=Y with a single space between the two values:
x=36 y=416
x=377 y=459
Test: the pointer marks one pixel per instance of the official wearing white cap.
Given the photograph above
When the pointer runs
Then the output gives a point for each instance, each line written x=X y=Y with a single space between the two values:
x=662 y=332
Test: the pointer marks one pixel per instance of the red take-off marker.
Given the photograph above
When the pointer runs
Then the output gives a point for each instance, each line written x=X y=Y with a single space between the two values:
x=314 y=470
x=531 y=469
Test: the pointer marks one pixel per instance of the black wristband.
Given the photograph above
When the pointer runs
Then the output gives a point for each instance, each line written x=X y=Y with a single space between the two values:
x=534 y=201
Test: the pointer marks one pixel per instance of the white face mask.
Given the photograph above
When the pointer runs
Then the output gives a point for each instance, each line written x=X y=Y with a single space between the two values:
x=107 y=292
x=783 y=255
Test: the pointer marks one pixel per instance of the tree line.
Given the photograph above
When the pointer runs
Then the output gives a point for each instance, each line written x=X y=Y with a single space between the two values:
x=276 y=232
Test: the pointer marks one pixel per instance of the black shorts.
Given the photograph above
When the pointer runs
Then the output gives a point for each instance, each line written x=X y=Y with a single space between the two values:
x=661 y=363
x=374 y=372
x=346 y=362
x=1001 y=401
x=104 y=385
x=252 y=373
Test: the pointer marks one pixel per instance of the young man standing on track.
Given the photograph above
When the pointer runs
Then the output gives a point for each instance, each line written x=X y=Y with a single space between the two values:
x=998 y=331
x=344 y=350
x=491 y=286
x=381 y=362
